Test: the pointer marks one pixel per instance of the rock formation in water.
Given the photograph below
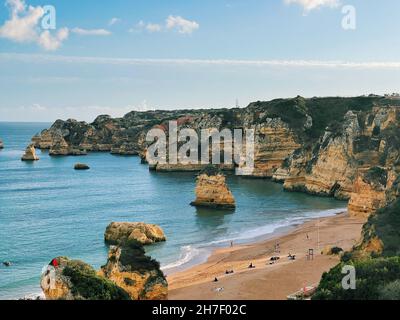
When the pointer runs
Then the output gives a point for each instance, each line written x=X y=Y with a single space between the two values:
x=137 y=274
x=30 y=154
x=1 y=144
x=119 y=232
x=81 y=166
x=212 y=190
x=128 y=275
x=69 y=279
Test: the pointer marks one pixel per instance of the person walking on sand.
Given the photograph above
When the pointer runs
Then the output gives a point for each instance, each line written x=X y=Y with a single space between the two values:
x=231 y=244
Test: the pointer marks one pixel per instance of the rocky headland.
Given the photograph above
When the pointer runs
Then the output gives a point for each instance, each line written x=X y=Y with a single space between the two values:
x=127 y=275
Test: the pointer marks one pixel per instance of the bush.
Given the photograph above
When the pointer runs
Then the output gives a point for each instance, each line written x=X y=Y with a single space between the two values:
x=89 y=286
x=390 y=291
x=372 y=277
x=336 y=250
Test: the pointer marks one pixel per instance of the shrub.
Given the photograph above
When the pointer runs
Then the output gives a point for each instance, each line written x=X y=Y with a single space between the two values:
x=372 y=276
x=89 y=286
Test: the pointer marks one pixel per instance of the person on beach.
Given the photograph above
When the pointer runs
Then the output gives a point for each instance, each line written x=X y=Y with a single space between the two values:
x=216 y=279
x=231 y=244
x=251 y=266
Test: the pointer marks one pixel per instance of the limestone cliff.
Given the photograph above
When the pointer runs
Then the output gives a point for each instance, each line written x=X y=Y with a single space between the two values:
x=316 y=145
x=119 y=232
x=30 y=154
x=212 y=191
x=130 y=269
x=67 y=279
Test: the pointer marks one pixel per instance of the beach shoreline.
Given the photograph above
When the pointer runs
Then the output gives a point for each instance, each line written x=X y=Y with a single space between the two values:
x=268 y=281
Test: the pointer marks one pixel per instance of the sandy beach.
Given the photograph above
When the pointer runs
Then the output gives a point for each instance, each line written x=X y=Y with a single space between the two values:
x=268 y=281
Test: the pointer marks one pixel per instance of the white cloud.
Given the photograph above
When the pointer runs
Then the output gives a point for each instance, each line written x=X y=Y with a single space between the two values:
x=50 y=42
x=178 y=23
x=23 y=26
x=43 y=58
x=182 y=25
x=153 y=27
x=91 y=32
x=309 y=5
x=114 y=21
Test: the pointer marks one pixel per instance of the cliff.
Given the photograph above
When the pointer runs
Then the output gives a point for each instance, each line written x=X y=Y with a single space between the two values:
x=119 y=232
x=128 y=275
x=320 y=145
x=76 y=280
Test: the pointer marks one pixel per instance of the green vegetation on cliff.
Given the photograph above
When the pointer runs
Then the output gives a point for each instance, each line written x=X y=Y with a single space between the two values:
x=385 y=224
x=377 y=275
x=375 y=279
x=87 y=285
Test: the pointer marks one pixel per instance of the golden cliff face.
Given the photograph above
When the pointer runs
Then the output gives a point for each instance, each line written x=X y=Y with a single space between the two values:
x=212 y=191
x=140 y=285
x=370 y=191
x=332 y=167
x=274 y=142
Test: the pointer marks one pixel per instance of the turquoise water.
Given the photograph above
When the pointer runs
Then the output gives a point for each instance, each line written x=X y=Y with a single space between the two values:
x=47 y=209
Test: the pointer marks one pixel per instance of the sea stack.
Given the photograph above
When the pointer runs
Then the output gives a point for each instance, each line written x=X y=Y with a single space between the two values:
x=212 y=190
x=81 y=166
x=119 y=232
x=30 y=154
x=1 y=144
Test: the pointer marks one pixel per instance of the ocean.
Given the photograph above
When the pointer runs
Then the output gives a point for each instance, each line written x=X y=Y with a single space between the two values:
x=48 y=209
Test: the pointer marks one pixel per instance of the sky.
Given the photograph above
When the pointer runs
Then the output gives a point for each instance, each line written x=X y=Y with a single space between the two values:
x=110 y=57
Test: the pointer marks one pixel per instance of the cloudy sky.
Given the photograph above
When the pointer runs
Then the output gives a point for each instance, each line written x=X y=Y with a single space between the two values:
x=115 y=56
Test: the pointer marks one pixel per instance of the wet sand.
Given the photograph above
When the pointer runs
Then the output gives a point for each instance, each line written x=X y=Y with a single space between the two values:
x=265 y=281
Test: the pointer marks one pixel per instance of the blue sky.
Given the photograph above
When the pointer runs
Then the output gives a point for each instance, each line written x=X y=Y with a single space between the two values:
x=115 y=56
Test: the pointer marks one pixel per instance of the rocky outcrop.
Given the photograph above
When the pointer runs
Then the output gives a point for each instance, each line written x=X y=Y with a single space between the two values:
x=67 y=279
x=128 y=275
x=119 y=232
x=212 y=191
x=1 y=144
x=81 y=166
x=130 y=269
x=30 y=154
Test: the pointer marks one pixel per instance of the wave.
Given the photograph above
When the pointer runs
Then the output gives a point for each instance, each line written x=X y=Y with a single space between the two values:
x=189 y=253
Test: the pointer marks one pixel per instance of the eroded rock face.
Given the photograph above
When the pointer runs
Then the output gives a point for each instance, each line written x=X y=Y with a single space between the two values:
x=1 y=144
x=69 y=279
x=130 y=269
x=119 y=232
x=30 y=154
x=370 y=191
x=212 y=191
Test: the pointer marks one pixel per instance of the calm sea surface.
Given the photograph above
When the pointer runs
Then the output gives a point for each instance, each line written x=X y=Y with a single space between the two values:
x=47 y=209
